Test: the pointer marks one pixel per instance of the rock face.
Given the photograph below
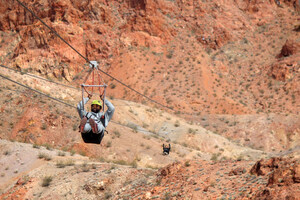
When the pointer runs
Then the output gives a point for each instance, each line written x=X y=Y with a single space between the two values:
x=212 y=46
x=89 y=26
x=237 y=171
x=206 y=180
x=291 y=47
x=170 y=170
x=287 y=64
x=216 y=40
x=283 y=178
x=280 y=71
x=293 y=3
x=46 y=51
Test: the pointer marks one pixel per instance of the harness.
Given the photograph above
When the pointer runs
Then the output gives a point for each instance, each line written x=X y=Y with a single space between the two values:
x=102 y=120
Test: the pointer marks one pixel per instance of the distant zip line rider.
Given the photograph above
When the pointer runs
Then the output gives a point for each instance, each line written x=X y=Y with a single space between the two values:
x=94 y=121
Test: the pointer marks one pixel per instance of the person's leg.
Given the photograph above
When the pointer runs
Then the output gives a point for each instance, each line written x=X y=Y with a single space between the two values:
x=97 y=128
x=82 y=124
x=93 y=125
x=87 y=128
x=100 y=128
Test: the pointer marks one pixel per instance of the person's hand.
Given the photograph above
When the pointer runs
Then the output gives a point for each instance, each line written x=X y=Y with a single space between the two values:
x=101 y=97
x=90 y=96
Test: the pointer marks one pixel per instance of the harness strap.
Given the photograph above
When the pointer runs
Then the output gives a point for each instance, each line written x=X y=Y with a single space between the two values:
x=86 y=91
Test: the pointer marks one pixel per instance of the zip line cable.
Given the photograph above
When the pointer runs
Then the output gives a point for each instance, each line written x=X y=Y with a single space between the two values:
x=38 y=77
x=44 y=79
x=60 y=101
x=136 y=90
x=86 y=59
x=51 y=29
x=55 y=99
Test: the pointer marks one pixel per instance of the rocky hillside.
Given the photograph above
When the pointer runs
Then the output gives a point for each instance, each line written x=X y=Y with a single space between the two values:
x=199 y=57
x=228 y=69
x=229 y=66
x=136 y=132
x=34 y=172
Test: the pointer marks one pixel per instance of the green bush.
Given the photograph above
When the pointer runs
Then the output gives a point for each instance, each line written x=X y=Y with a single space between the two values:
x=44 y=156
x=46 y=181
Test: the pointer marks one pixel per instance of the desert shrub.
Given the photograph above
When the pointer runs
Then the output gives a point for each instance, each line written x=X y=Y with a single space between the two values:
x=61 y=153
x=214 y=157
x=44 y=126
x=120 y=162
x=187 y=163
x=44 y=156
x=167 y=196
x=107 y=195
x=35 y=146
x=192 y=131
x=46 y=181
x=241 y=157
x=108 y=144
x=60 y=164
x=117 y=133
x=170 y=54
x=133 y=164
x=75 y=127
x=47 y=146
x=72 y=152
x=82 y=153
x=85 y=167
x=177 y=124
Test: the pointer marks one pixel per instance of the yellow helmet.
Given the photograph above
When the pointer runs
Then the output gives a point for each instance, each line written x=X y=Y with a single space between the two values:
x=97 y=102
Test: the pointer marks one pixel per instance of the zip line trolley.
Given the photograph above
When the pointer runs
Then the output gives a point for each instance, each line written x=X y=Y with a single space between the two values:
x=91 y=84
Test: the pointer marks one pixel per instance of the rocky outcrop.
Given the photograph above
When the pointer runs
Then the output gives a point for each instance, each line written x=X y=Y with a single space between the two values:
x=283 y=178
x=86 y=25
x=217 y=39
x=183 y=33
x=290 y=47
x=169 y=170
x=287 y=64
x=263 y=167
x=293 y=3
x=281 y=171
x=279 y=71
x=237 y=171
x=255 y=6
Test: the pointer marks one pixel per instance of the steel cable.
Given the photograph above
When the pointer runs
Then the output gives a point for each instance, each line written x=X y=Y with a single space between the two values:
x=52 y=30
x=60 y=101
x=37 y=91
x=44 y=79
x=86 y=59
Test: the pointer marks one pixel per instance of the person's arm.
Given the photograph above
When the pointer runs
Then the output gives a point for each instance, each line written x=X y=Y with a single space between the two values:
x=80 y=110
x=110 y=111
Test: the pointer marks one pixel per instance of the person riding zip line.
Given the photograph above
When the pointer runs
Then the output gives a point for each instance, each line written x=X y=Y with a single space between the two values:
x=95 y=120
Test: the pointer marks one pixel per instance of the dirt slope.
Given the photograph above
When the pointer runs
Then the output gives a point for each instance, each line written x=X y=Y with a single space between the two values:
x=31 y=118
x=78 y=177
x=136 y=133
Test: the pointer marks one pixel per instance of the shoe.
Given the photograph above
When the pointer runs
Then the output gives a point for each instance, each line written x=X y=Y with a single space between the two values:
x=82 y=124
x=94 y=126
